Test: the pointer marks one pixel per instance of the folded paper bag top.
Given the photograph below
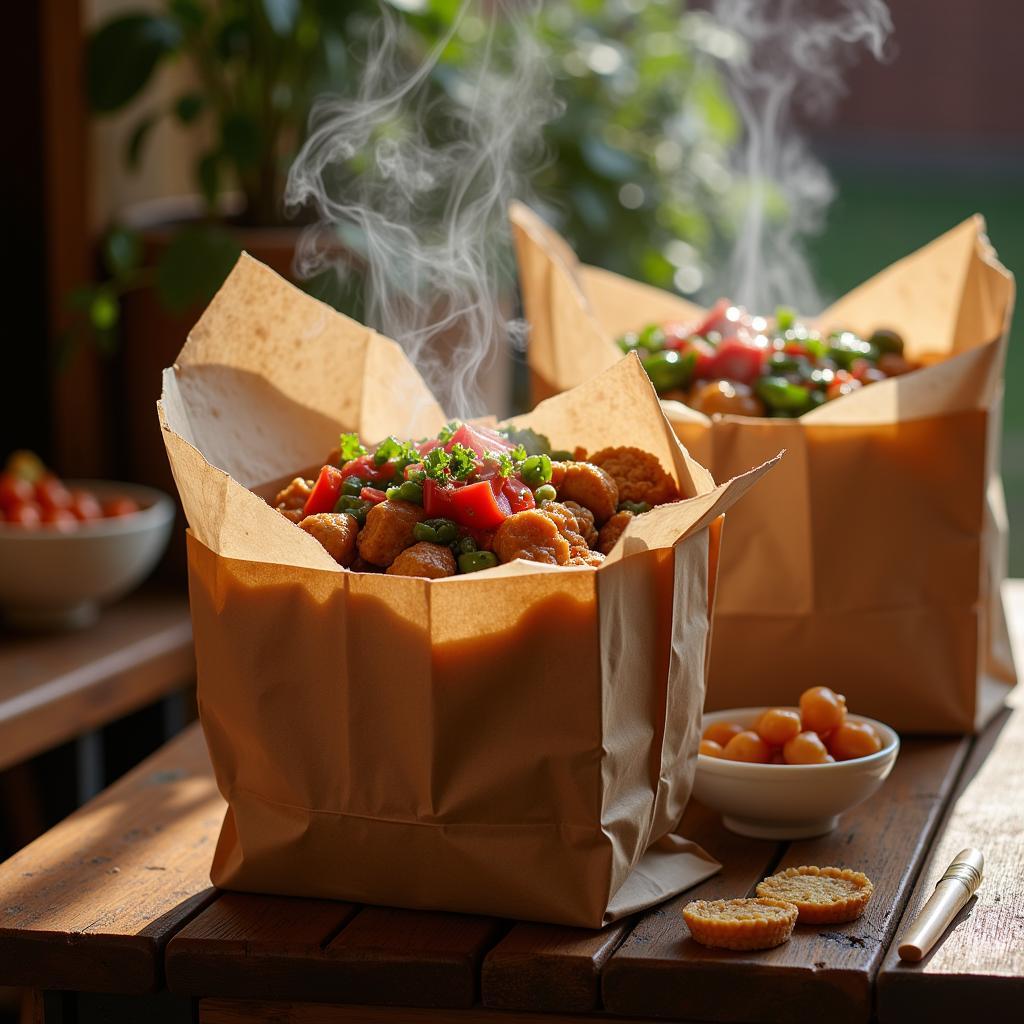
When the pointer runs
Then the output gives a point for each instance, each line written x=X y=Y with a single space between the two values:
x=517 y=742
x=886 y=521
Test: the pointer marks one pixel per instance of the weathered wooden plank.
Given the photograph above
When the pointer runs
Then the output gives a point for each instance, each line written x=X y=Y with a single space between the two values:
x=257 y=947
x=90 y=905
x=227 y=1011
x=978 y=966
x=549 y=969
x=55 y=688
x=411 y=957
x=823 y=972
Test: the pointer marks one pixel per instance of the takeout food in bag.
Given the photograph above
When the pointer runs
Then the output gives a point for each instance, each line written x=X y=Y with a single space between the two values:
x=871 y=560
x=519 y=741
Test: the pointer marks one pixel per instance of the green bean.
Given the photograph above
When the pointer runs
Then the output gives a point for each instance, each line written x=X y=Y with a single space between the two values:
x=782 y=396
x=536 y=470
x=561 y=455
x=627 y=342
x=409 y=491
x=636 y=507
x=545 y=493
x=466 y=546
x=474 y=561
x=424 y=531
x=352 y=485
x=652 y=338
x=669 y=369
x=886 y=340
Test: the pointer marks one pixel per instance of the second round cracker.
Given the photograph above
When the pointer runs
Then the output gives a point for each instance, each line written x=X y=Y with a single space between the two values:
x=821 y=895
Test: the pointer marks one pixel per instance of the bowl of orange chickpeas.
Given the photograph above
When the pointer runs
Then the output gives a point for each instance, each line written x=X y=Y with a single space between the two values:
x=790 y=772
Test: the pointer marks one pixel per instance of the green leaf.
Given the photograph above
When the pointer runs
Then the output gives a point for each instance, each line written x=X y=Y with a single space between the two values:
x=242 y=139
x=281 y=14
x=122 y=252
x=195 y=265
x=137 y=140
x=121 y=57
x=189 y=106
x=104 y=310
x=208 y=176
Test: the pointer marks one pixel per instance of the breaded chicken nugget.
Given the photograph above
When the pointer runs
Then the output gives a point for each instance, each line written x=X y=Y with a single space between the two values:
x=294 y=496
x=612 y=531
x=638 y=475
x=293 y=515
x=591 y=487
x=432 y=561
x=532 y=535
x=336 y=531
x=586 y=557
x=388 y=531
x=584 y=522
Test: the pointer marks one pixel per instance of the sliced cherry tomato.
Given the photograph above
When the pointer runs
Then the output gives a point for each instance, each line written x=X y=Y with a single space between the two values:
x=473 y=505
x=519 y=496
x=374 y=494
x=737 y=360
x=120 y=507
x=84 y=506
x=27 y=514
x=14 y=490
x=62 y=519
x=51 y=493
x=325 y=493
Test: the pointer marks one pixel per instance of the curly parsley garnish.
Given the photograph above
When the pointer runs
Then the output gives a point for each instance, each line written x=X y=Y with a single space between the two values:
x=463 y=461
x=350 y=447
x=402 y=453
x=448 y=430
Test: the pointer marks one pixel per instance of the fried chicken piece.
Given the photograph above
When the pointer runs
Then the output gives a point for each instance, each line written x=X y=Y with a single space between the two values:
x=293 y=515
x=360 y=564
x=590 y=486
x=568 y=526
x=294 y=496
x=533 y=535
x=431 y=561
x=388 y=531
x=584 y=522
x=592 y=558
x=558 y=474
x=336 y=531
x=638 y=475
x=612 y=531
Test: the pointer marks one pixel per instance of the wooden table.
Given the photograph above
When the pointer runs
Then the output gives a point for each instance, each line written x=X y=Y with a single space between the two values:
x=112 y=915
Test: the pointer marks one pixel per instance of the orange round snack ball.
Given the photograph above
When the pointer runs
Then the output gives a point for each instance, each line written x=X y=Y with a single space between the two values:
x=778 y=726
x=710 y=748
x=822 y=710
x=722 y=732
x=747 y=746
x=852 y=740
x=806 y=748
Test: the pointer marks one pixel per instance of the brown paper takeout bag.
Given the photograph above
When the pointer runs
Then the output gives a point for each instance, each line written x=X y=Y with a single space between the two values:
x=871 y=559
x=519 y=742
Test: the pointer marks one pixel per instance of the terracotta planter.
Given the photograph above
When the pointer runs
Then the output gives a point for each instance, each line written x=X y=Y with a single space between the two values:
x=152 y=336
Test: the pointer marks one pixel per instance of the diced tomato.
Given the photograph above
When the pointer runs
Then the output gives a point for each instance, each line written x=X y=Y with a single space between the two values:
x=51 y=493
x=84 y=506
x=677 y=334
x=520 y=497
x=366 y=469
x=62 y=519
x=120 y=507
x=718 y=319
x=14 y=490
x=428 y=446
x=325 y=493
x=473 y=505
x=374 y=494
x=27 y=514
x=737 y=360
x=479 y=440
x=705 y=354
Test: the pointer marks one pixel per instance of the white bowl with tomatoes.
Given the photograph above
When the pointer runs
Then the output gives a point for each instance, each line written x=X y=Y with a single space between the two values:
x=69 y=547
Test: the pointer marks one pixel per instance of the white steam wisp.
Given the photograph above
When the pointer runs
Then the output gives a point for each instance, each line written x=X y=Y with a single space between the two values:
x=796 y=53
x=421 y=187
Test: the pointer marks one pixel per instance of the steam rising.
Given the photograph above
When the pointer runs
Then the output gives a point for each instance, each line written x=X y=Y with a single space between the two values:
x=420 y=186
x=796 y=54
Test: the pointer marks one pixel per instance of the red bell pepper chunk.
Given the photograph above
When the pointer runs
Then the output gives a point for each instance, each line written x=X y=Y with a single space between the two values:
x=473 y=505
x=325 y=493
x=373 y=494
x=737 y=360
x=479 y=440
x=366 y=469
x=519 y=496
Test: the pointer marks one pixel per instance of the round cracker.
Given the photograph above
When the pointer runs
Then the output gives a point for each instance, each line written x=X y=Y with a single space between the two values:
x=821 y=895
x=740 y=924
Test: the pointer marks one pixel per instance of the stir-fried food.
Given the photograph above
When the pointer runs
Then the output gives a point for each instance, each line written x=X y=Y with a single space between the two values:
x=735 y=363
x=471 y=498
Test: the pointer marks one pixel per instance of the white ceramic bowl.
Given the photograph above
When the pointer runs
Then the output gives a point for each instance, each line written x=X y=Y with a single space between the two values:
x=55 y=580
x=788 y=801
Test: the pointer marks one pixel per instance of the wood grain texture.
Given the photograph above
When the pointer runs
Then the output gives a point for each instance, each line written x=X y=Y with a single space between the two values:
x=53 y=688
x=258 y=947
x=549 y=969
x=227 y=1011
x=412 y=957
x=823 y=972
x=978 y=966
x=91 y=904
